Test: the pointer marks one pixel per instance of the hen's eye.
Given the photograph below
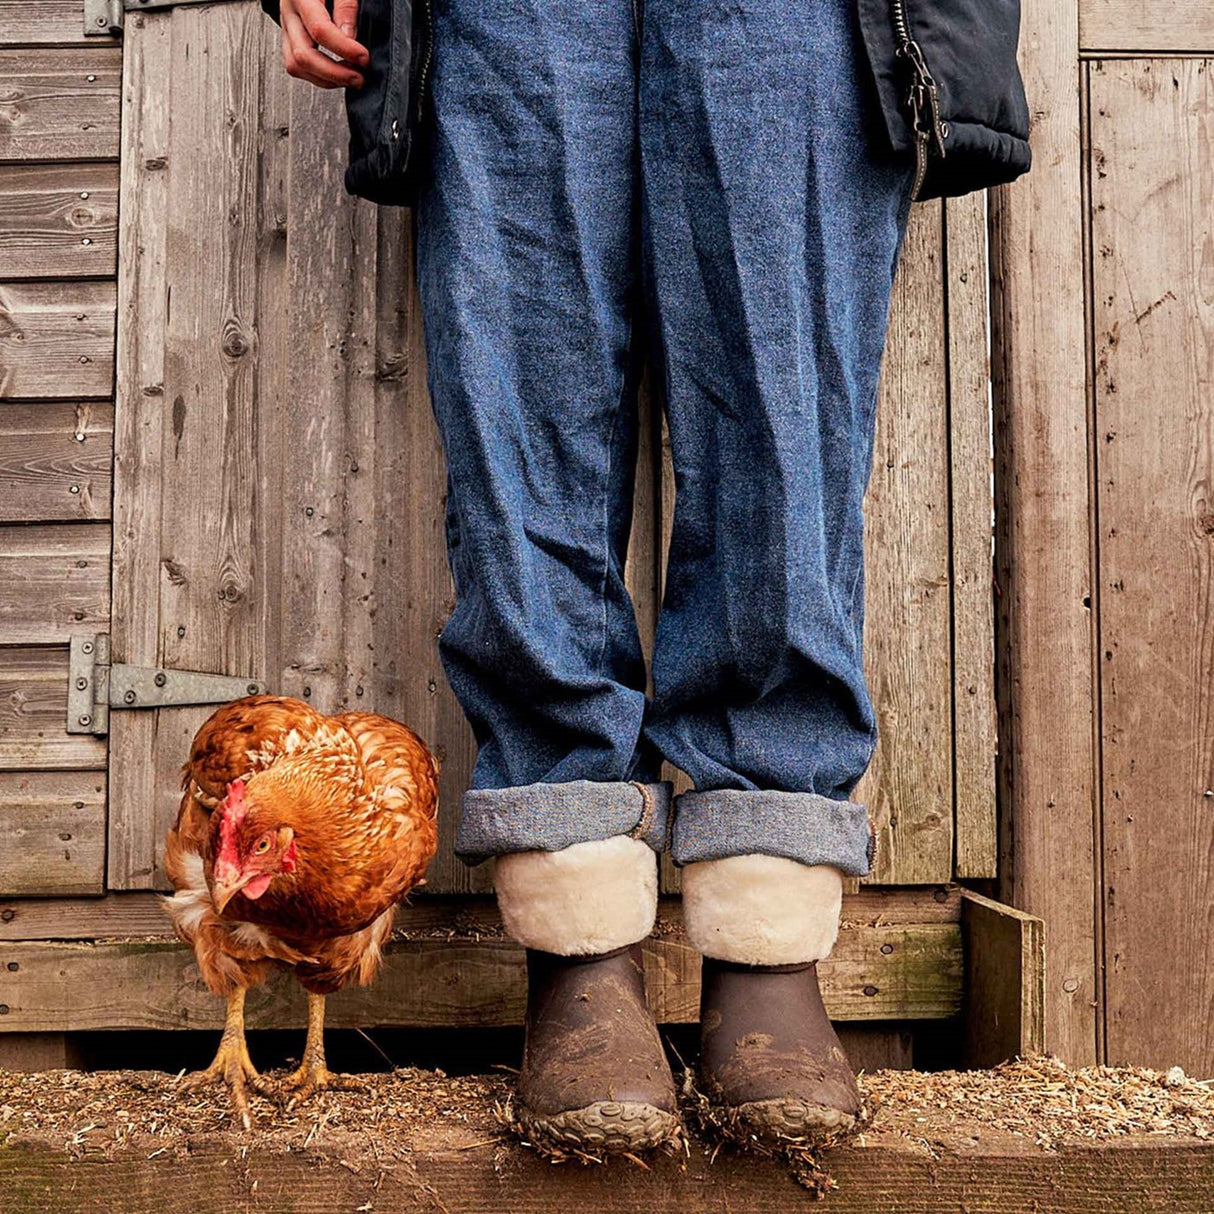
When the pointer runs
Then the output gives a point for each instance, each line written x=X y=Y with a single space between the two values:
x=262 y=847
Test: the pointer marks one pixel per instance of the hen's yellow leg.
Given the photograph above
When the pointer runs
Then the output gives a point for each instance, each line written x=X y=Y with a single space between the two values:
x=313 y=1074
x=232 y=1066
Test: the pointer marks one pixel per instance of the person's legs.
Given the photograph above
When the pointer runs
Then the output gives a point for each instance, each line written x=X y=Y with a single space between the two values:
x=527 y=249
x=771 y=234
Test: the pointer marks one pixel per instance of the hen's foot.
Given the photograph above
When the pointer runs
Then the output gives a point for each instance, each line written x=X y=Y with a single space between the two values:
x=235 y=1070
x=310 y=1078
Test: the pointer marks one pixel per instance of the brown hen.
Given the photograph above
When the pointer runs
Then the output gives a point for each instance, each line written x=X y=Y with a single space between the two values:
x=298 y=834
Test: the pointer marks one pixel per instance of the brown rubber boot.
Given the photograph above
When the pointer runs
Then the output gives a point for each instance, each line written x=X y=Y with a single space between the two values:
x=769 y=1057
x=594 y=1075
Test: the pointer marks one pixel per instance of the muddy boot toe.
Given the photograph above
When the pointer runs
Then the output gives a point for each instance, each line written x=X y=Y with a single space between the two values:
x=770 y=1060
x=595 y=1076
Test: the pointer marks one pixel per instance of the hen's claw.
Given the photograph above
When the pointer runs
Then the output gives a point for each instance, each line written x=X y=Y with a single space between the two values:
x=313 y=1075
x=232 y=1066
x=310 y=1078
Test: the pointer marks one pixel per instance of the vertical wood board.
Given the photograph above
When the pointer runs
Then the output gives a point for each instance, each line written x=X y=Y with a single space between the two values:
x=1152 y=124
x=973 y=608
x=1004 y=982
x=909 y=787
x=1043 y=559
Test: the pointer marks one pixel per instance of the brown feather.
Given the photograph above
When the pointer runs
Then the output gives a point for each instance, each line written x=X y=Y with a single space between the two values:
x=359 y=793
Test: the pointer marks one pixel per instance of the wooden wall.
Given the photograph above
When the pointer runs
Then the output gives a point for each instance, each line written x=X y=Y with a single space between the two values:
x=1105 y=442
x=277 y=497
x=58 y=234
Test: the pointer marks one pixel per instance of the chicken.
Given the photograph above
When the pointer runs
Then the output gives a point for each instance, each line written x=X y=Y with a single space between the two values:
x=297 y=835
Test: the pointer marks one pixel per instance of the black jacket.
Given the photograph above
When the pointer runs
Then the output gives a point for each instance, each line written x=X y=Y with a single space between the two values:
x=944 y=71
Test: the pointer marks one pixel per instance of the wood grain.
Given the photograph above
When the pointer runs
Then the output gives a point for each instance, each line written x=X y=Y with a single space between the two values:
x=59 y=104
x=135 y=834
x=58 y=220
x=909 y=787
x=41 y=23
x=52 y=833
x=1152 y=124
x=875 y=973
x=56 y=339
x=973 y=600
x=433 y=917
x=33 y=712
x=54 y=581
x=460 y=1167
x=56 y=461
x=1143 y=26
x=1043 y=559
x=1004 y=982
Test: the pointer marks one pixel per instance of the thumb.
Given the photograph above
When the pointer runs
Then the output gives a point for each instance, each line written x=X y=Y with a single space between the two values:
x=345 y=16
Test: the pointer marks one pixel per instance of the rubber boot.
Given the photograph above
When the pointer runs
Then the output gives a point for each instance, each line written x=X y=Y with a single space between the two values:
x=769 y=1057
x=594 y=1075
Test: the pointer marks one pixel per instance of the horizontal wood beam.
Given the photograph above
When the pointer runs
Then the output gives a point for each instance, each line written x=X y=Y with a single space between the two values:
x=443 y=1162
x=1145 y=27
x=141 y=914
x=908 y=972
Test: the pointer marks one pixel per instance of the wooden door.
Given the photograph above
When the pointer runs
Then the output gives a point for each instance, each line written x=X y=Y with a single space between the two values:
x=278 y=483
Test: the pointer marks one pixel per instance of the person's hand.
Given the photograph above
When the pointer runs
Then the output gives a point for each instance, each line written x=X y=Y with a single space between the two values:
x=306 y=25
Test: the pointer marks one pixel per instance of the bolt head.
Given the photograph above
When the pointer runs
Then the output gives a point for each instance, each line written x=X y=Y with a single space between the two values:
x=85 y=719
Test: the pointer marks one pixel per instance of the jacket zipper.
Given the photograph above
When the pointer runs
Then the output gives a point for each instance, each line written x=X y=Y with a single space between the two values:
x=425 y=68
x=923 y=99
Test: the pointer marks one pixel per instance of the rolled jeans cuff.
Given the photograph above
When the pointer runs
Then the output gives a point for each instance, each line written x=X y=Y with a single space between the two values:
x=802 y=826
x=551 y=817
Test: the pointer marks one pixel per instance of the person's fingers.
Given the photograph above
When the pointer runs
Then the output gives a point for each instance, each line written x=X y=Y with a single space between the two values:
x=345 y=16
x=304 y=61
x=324 y=32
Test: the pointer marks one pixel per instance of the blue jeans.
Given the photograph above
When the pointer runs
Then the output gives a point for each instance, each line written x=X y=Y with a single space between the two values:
x=694 y=184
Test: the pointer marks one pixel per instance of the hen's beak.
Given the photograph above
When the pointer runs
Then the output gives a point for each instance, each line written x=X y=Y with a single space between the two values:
x=225 y=887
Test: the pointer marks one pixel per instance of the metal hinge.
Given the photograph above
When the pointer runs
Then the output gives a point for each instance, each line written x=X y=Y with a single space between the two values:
x=95 y=686
x=103 y=18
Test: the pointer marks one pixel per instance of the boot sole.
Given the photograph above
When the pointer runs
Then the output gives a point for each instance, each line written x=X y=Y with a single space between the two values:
x=607 y=1125
x=781 y=1119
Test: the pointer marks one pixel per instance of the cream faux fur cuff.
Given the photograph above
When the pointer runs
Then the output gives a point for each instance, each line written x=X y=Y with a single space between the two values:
x=586 y=899
x=762 y=910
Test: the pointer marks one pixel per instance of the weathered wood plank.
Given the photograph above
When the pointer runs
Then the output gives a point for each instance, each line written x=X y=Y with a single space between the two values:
x=909 y=787
x=56 y=339
x=41 y=23
x=135 y=834
x=1145 y=26
x=444 y=1150
x=33 y=1052
x=60 y=104
x=52 y=833
x=875 y=973
x=1152 y=123
x=58 y=220
x=1043 y=563
x=33 y=713
x=55 y=581
x=55 y=461
x=973 y=605
x=141 y=914
x=1004 y=982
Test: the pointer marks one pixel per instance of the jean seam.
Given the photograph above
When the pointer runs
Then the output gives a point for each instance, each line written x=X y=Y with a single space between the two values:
x=621 y=405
